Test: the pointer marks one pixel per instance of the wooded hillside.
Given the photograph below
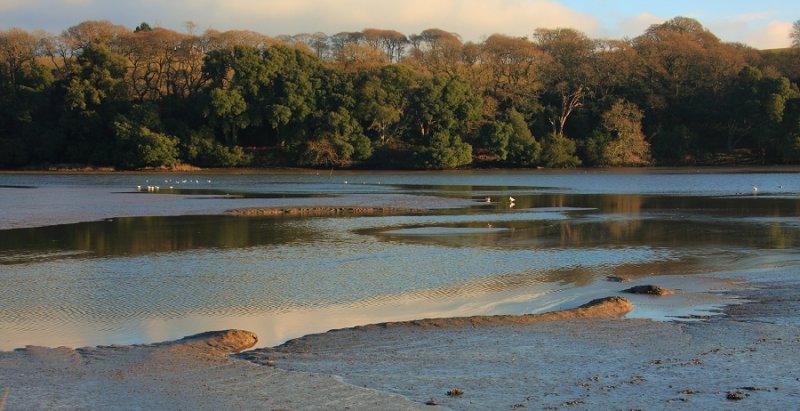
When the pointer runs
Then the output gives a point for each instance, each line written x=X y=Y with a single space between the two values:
x=102 y=94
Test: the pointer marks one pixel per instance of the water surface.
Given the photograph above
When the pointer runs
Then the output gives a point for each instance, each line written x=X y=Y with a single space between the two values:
x=94 y=259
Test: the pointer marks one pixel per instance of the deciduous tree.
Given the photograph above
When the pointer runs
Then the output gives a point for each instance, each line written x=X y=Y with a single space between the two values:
x=626 y=144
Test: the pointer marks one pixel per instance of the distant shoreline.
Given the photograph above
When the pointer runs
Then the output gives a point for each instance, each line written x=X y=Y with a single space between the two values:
x=298 y=170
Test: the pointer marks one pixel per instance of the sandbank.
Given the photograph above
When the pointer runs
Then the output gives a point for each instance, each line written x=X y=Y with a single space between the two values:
x=322 y=211
x=584 y=358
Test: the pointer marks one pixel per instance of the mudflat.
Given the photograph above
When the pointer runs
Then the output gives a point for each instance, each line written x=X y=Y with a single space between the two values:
x=585 y=358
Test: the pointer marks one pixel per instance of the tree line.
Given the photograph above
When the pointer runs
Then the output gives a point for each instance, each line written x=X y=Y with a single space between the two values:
x=104 y=95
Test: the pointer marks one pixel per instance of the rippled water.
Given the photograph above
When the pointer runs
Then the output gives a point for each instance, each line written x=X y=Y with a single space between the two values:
x=91 y=259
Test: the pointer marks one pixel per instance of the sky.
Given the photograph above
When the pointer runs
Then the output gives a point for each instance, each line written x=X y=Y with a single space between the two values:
x=760 y=24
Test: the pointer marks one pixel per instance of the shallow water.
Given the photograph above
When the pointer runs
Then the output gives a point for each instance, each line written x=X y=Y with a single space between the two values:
x=92 y=259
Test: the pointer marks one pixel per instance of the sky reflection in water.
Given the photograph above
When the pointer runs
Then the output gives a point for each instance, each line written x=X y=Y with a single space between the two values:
x=142 y=279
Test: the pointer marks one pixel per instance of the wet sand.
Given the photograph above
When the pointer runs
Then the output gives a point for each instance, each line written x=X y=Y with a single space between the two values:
x=586 y=358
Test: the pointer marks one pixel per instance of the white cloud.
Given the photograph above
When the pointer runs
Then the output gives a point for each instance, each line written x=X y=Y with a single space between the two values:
x=636 y=25
x=751 y=17
x=472 y=19
x=774 y=35
x=761 y=30
x=9 y=6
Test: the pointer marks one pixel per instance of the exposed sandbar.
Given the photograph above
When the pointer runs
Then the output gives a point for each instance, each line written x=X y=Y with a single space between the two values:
x=323 y=211
x=609 y=307
x=746 y=358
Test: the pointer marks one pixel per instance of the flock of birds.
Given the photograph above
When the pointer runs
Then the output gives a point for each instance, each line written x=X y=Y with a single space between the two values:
x=152 y=188
x=757 y=190
x=510 y=201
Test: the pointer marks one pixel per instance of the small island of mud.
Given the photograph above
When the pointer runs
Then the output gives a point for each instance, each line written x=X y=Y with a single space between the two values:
x=323 y=211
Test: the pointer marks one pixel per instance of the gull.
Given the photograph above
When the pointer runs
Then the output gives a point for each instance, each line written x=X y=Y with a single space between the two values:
x=755 y=189
x=512 y=199
x=488 y=199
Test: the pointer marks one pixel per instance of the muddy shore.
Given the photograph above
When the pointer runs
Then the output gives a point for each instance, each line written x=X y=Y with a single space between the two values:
x=748 y=357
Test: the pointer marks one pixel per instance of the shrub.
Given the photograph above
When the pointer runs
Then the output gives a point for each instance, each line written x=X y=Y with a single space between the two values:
x=445 y=151
x=138 y=146
x=203 y=150
x=558 y=151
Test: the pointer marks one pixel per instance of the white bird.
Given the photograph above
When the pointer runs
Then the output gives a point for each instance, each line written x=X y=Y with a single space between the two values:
x=488 y=199
x=138 y=188
x=755 y=189
x=512 y=199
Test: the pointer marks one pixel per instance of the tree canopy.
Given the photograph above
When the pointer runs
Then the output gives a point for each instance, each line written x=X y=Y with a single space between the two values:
x=103 y=94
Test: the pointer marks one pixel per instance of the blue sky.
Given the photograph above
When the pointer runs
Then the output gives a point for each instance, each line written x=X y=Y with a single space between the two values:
x=761 y=24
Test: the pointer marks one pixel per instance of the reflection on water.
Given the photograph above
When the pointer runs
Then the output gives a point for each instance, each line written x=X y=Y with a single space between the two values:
x=139 y=279
x=144 y=235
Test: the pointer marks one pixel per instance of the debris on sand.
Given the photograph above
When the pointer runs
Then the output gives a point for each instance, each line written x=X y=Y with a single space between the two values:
x=455 y=392
x=649 y=290
x=618 y=279
x=219 y=342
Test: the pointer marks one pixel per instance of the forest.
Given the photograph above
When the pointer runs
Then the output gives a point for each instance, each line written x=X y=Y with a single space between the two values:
x=103 y=95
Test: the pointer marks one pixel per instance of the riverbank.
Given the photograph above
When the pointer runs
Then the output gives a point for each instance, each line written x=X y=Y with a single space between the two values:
x=712 y=167
x=746 y=357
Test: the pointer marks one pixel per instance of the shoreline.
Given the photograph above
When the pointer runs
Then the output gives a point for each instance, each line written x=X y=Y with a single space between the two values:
x=691 y=168
x=747 y=356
